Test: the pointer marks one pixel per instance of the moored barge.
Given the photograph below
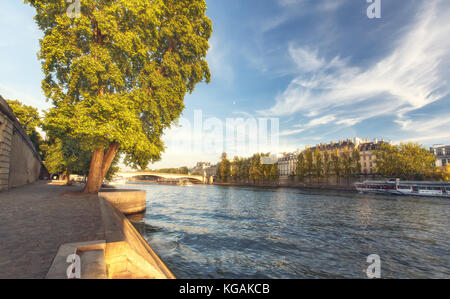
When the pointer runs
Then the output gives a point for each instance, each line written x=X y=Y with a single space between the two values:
x=413 y=188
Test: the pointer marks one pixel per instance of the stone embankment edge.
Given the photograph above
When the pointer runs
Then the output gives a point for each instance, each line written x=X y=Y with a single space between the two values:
x=123 y=241
x=332 y=188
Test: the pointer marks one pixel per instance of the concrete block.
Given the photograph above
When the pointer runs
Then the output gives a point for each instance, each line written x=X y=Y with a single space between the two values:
x=93 y=264
x=126 y=201
x=92 y=260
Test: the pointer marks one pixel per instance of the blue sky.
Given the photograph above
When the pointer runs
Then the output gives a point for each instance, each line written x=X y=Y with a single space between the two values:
x=322 y=67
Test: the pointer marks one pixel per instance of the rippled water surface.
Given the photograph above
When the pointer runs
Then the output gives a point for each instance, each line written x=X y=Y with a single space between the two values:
x=246 y=232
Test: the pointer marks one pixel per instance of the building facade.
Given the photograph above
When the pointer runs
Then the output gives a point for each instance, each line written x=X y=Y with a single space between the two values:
x=442 y=153
x=200 y=167
x=287 y=164
x=367 y=151
x=367 y=148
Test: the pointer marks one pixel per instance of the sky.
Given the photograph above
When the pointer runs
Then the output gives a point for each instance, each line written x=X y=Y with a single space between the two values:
x=321 y=68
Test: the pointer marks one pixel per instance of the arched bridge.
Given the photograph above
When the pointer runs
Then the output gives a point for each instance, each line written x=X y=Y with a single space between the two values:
x=147 y=174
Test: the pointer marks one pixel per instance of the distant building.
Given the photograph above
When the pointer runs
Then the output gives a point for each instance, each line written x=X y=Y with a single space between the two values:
x=442 y=153
x=287 y=164
x=200 y=167
x=368 y=155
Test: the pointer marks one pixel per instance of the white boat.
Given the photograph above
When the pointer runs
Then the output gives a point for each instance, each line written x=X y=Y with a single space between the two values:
x=413 y=188
x=118 y=181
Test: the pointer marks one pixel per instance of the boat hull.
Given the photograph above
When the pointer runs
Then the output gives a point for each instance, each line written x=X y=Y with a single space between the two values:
x=423 y=189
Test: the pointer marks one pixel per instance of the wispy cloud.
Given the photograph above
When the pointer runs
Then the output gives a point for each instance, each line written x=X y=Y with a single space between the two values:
x=410 y=77
x=35 y=100
x=291 y=9
x=219 y=62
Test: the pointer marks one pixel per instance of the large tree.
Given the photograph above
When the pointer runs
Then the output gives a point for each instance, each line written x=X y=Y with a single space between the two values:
x=118 y=73
x=406 y=161
x=300 y=169
x=224 y=168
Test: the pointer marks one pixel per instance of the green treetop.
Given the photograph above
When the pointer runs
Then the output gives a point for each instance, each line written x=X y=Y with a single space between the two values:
x=118 y=73
x=406 y=161
x=300 y=168
x=224 y=168
x=30 y=121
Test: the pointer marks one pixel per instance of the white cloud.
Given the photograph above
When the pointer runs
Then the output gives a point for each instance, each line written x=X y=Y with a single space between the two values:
x=427 y=129
x=218 y=60
x=312 y=123
x=411 y=77
x=295 y=8
x=306 y=61
x=289 y=2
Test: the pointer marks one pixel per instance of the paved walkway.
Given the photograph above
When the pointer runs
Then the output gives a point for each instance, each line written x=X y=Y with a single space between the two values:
x=36 y=219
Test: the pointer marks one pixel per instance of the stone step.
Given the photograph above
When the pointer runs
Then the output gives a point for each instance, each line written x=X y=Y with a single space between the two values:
x=93 y=264
x=89 y=257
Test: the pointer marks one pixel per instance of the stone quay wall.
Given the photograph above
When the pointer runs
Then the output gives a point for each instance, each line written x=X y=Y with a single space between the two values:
x=331 y=183
x=20 y=163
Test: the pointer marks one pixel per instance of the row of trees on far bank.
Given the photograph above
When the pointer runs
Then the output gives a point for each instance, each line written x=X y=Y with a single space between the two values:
x=323 y=164
x=248 y=170
x=407 y=161
x=181 y=170
x=404 y=161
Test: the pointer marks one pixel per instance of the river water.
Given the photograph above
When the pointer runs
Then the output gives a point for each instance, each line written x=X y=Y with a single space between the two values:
x=206 y=231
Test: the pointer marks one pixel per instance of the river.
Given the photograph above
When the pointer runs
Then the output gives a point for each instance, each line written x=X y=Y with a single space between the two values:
x=207 y=231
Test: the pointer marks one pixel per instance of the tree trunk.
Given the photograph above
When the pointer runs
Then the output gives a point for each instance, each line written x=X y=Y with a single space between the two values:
x=68 y=183
x=93 y=183
x=100 y=165
x=109 y=157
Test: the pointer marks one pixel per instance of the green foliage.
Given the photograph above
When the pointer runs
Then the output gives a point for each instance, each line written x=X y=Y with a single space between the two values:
x=323 y=164
x=336 y=163
x=181 y=170
x=119 y=72
x=301 y=167
x=356 y=161
x=443 y=173
x=235 y=168
x=346 y=162
x=309 y=162
x=326 y=164
x=406 y=161
x=247 y=169
x=224 y=168
x=66 y=156
x=318 y=166
x=30 y=121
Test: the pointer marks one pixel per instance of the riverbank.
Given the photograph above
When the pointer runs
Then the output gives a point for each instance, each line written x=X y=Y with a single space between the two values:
x=37 y=220
x=312 y=186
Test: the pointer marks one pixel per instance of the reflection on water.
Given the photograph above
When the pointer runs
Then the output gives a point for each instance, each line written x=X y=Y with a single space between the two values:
x=246 y=232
